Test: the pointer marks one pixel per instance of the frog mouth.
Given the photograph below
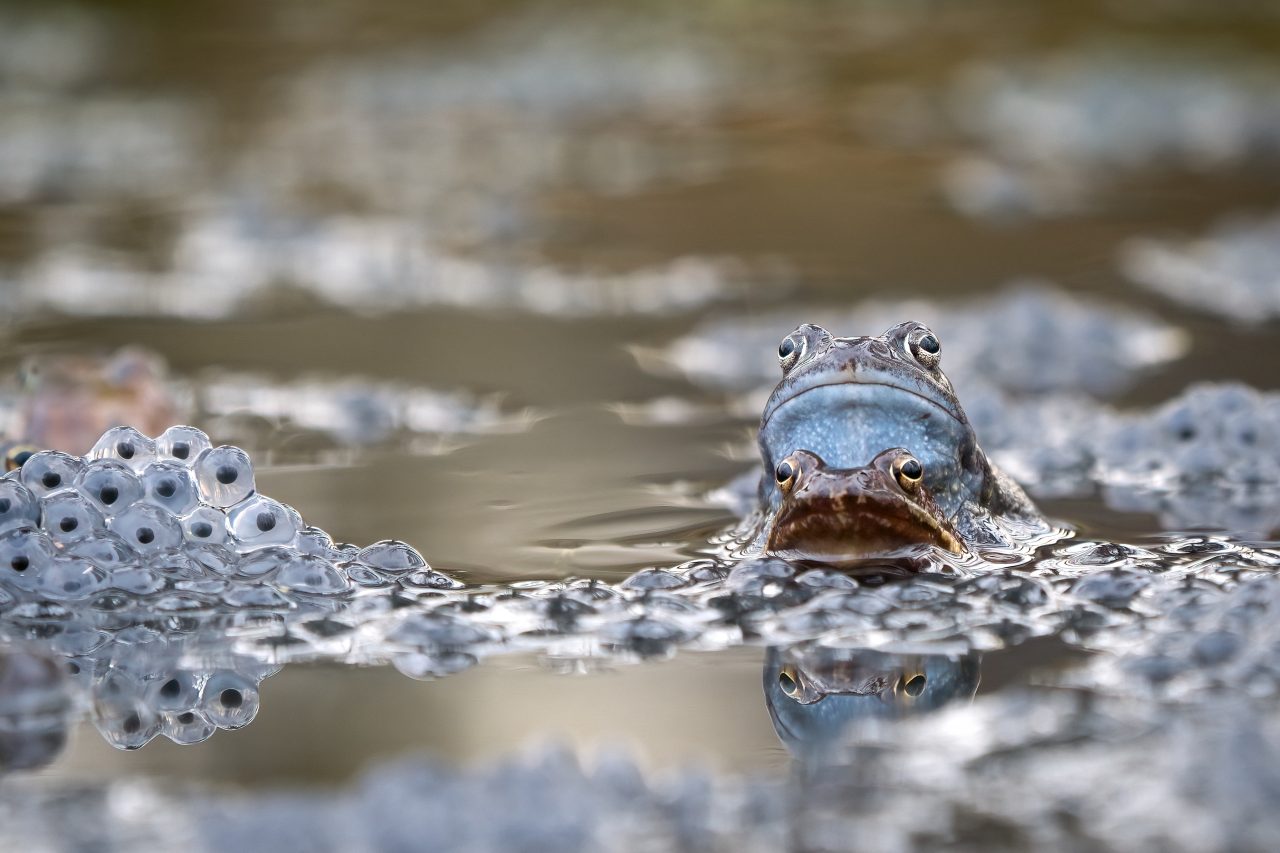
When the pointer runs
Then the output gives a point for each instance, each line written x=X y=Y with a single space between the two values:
x=839 y=536
x=853 y=381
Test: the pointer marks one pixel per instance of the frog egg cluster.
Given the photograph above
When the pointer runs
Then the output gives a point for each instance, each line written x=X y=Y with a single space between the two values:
x=140 y=517
x=132 y=563
x=1221 y=432
x=1228 y=272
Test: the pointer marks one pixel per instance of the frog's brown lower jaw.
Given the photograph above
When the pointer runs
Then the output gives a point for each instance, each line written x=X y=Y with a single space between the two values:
x=852 y=532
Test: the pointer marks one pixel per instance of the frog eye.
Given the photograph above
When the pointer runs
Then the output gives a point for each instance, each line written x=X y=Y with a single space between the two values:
x=908 y=471
x=16 y=455
x=925 y=347
x=912 y=684
x=786 y=473
x=791 y=350
x=788 y=682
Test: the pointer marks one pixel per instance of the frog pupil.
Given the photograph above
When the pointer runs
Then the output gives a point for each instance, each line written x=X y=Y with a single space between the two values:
x=912 y=469
x=930 y=344
x=785 y=348
x=785 y=472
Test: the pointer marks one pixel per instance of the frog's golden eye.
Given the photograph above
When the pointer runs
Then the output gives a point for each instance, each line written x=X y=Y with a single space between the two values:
x=791 y=350
x=908 y=471
x=788 y=682
x=912 y=684
x=16 y=455
x=787 y=472
x=925 y=347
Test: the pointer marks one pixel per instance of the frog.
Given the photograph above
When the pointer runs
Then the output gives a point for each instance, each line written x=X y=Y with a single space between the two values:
x=848 y=399
x=833 y=515
x=67 y=400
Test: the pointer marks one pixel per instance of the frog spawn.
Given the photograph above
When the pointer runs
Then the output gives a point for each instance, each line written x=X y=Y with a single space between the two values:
x=127 y=554
x=1035 y=768
x=162 y=615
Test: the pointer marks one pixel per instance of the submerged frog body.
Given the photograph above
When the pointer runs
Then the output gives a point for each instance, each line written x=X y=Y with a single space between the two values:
x=848 y=399
x=831 y=515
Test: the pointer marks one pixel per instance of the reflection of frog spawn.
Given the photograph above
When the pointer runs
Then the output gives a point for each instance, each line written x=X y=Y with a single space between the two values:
x=35 y=710
x=1228 y=272
x=168 y=685
x=170 y=584
x=816 y=695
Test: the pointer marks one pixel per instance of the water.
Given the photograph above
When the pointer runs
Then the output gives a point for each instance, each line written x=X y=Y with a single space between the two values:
x=504 y=281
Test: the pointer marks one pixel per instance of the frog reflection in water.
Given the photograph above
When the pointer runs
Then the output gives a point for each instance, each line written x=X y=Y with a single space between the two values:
x=816 y=695
x=830 y=515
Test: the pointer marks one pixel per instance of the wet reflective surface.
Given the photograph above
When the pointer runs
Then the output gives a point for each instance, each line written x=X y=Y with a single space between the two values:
x=506 y=282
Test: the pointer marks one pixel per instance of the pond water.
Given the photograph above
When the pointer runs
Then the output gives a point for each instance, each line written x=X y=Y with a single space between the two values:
x=505 y=281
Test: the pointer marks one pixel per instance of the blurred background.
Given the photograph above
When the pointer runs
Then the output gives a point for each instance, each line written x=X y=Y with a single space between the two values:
x=505 y=280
